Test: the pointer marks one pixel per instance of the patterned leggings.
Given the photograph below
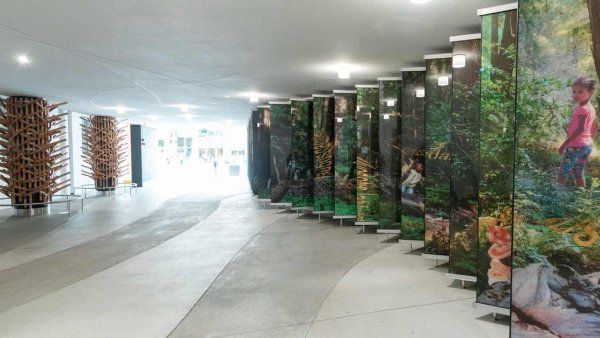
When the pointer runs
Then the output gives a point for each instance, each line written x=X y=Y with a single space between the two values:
x=574 y=161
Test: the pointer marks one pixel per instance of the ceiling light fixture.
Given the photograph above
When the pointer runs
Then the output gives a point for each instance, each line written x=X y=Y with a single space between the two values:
x=23 y=59
x=420 y=2
x=391 y=103
x=443 y=80
x=386 y=116
x=339 y=119
x=420 y=92
x=459 y=61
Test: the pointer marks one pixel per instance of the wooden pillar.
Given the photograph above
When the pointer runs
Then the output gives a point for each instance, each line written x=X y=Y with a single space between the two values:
x=33 y=151
x=104 y=151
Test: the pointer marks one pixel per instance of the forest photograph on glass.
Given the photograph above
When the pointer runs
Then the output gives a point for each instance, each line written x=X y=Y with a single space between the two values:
x=413 y=156
x=367 y=148
x=302 y=154
x=556 y=269
x=281 y=153
x=464 y=158
x=345 y=154
x=496 y=156
x=262 y=156
x=323 y=137
x=389 y=154
x=438 y=108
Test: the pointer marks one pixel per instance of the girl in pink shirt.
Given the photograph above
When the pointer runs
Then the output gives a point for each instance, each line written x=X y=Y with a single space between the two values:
x=580 y=133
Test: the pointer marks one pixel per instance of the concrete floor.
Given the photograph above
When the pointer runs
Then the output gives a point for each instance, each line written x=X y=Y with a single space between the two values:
x=215 y=265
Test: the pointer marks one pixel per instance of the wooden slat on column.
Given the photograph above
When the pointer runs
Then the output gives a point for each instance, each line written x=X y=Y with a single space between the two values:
x=105 y=151
x=32 y=151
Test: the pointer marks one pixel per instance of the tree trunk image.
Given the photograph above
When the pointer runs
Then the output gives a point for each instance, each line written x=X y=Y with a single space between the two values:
x=594 y=10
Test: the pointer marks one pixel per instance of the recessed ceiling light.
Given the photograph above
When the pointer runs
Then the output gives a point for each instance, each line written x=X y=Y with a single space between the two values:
x=23 y=59
x=420 y=2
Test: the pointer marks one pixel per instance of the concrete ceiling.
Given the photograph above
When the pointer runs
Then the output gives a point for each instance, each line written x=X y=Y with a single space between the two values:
x=152 y=54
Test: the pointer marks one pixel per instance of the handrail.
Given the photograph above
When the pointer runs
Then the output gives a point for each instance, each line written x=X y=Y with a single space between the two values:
x=30 y=206
x=92 y=186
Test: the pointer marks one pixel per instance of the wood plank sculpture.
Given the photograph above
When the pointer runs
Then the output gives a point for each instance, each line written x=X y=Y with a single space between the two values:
x=33 y=151
x=104 y=151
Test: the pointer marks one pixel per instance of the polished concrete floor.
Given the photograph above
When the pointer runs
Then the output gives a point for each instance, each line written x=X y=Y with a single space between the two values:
x=183 y=264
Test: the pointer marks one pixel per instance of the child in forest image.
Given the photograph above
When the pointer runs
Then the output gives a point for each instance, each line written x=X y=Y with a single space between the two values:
x=580 y=133
x=414 y=177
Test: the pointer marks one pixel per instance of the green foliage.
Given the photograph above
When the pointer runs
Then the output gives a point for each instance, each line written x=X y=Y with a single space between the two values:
x=343 y=208
x=412 y=228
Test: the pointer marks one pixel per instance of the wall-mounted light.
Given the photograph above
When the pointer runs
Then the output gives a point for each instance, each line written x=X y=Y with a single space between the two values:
x=459 y=61
x=339 y=119
x=386 y=116
x=443 y=80
x=391 y=103
x=420 y=92
x=343 y=73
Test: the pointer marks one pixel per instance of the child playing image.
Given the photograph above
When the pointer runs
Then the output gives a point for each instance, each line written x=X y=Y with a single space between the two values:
x=414 y=177
x=580 y=134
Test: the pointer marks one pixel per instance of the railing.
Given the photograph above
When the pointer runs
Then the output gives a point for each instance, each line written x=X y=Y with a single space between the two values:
x=91 y=186
x=31 y=206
